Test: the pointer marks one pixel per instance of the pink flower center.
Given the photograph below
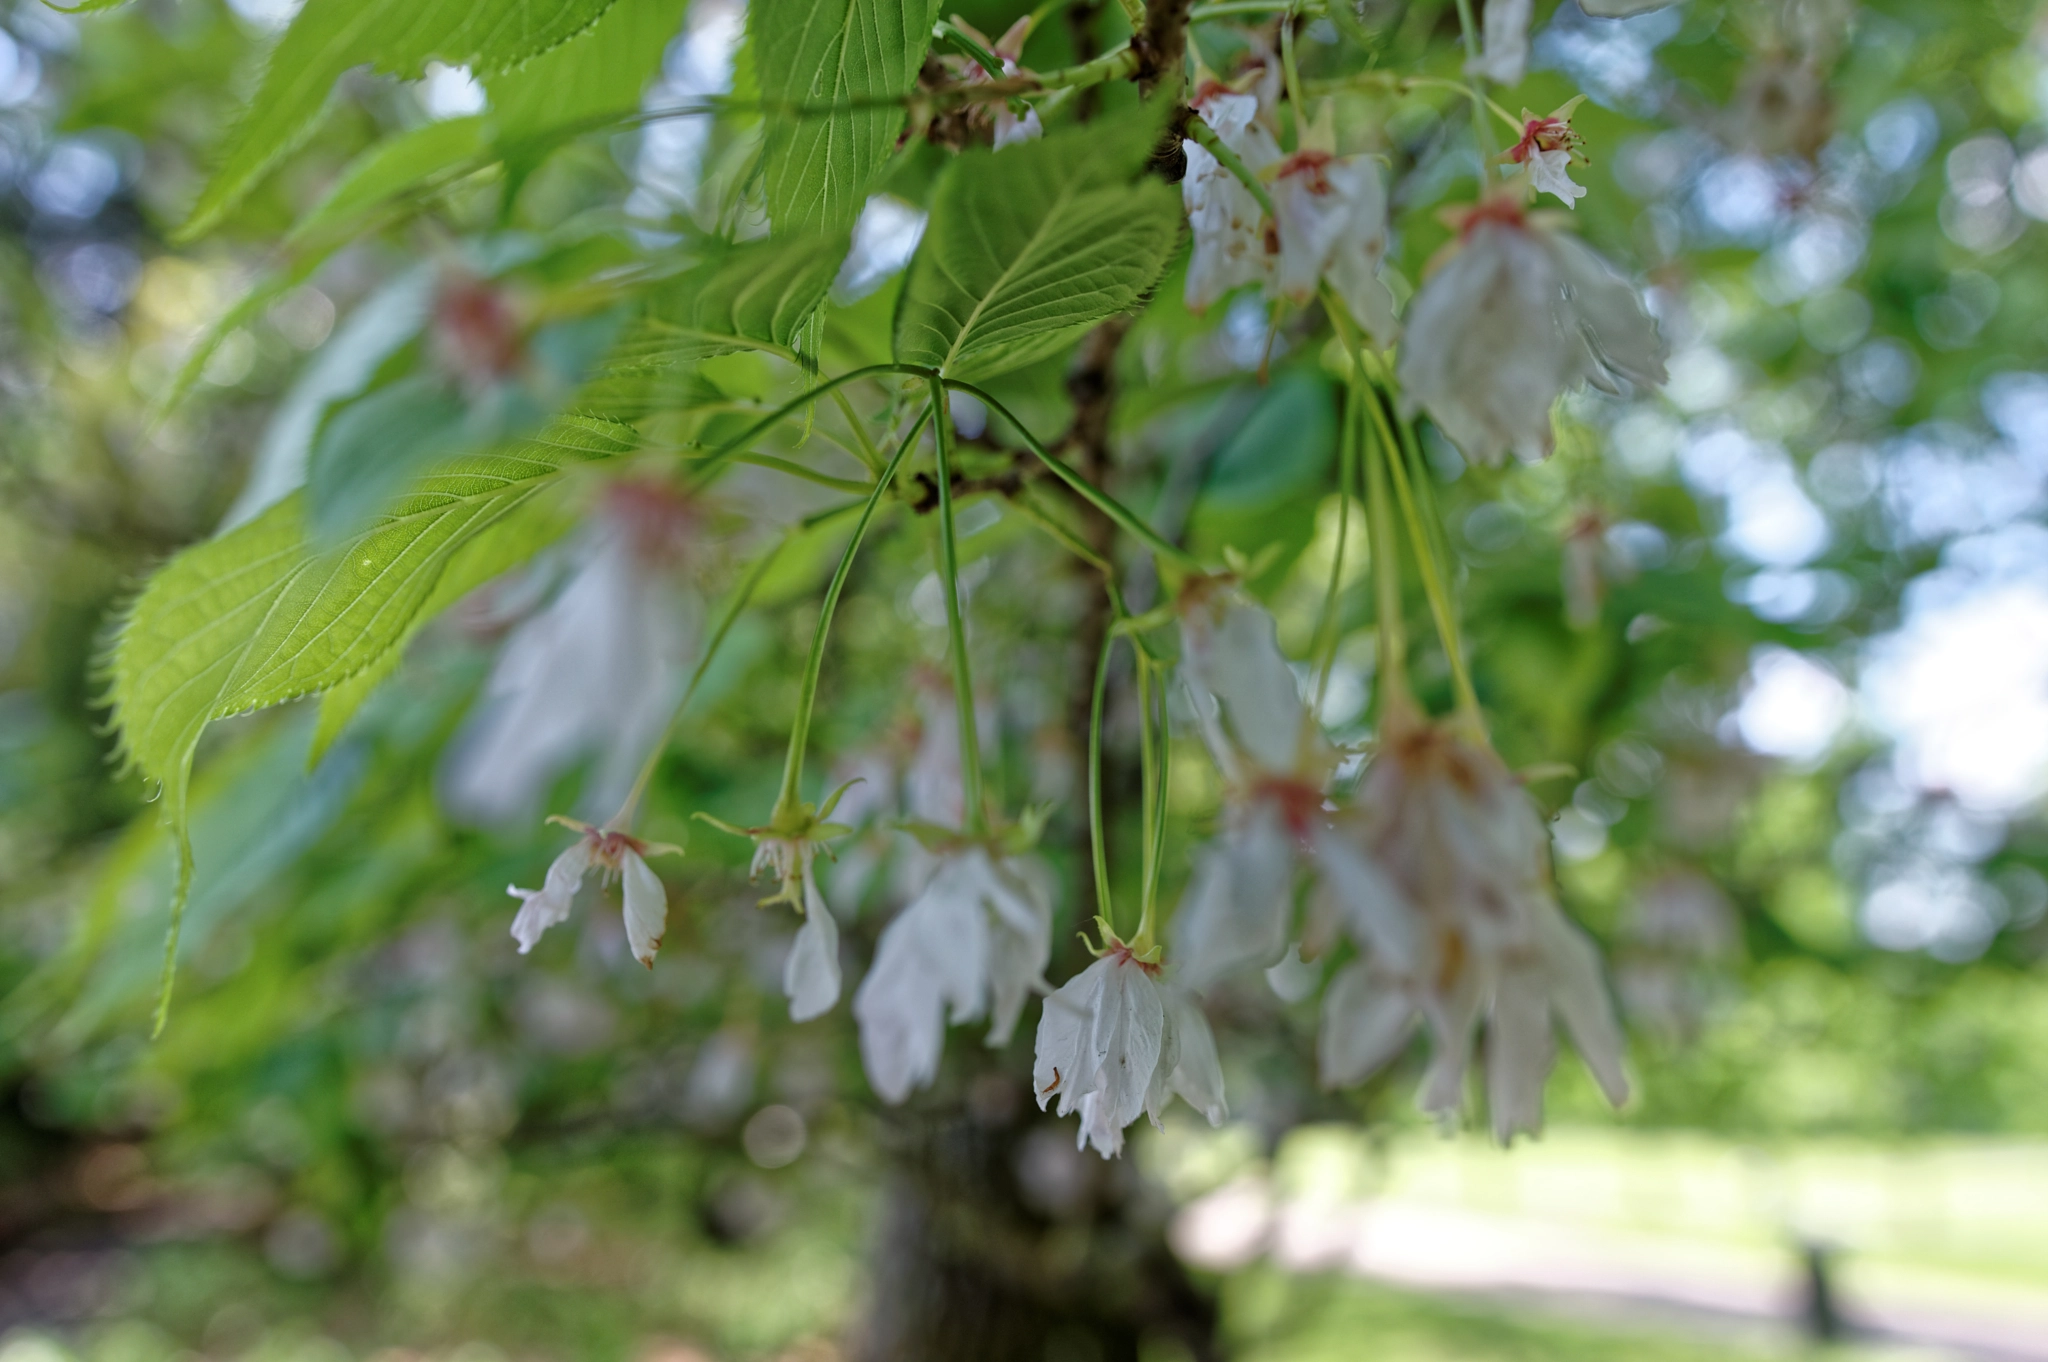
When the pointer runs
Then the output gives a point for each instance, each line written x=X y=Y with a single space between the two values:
x=609 y=849
x=656 y=519
x=1121 y=953
x=1299 y=803
x=1499 y=209
x=1313 y=166
x=1544 y=134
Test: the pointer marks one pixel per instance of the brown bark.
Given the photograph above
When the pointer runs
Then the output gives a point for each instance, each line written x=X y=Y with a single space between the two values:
x=1003 y=1243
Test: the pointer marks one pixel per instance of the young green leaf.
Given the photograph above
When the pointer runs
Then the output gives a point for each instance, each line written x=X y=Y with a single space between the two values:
x=260 y=616
x=1030 y=245
x=602 y=75
x=424 y=157
x=753 y=296
x=505 y=544
x=813 y=55
x=398 y=37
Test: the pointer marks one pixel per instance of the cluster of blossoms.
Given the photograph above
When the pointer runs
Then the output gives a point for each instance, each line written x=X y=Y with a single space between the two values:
x=1428 y=875
x=1436 y=867
x=1329 y=220
x=1513 y=315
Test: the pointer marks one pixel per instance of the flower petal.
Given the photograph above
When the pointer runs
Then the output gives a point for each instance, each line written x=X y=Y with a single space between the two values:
x=811 y=975
x=646 y=907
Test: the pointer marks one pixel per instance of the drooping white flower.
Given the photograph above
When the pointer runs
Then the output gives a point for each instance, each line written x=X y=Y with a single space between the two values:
x=1238 y=904
x=1112 y=1044
x=1550 y=146
x=1223 y=215
x=1245 y=697
x=596 y=672
x=973 y=944
x=1275 y=762
x=1330 y=219
x=1504 y=58
x=1622 y=9
x=810 y=975
x=1441 y=871
x=617 y=856
x=1518 y=316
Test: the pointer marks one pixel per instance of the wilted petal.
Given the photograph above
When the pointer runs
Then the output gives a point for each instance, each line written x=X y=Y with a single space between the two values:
x=811 y=975
x=1621 y=9
x=1223 y=215
x=646 y=907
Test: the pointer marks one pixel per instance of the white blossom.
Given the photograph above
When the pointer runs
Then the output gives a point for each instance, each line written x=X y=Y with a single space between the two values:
x=1112 y=1044
x=1245 y=697
x=1223 y=215
x=1330 y=216
x=1239 y=900
x=810 y=974
x=1441 y=873
x=1549 y=147
x=1505 y=55
x=1518 y=316
x=973 y=944
x=595 y=672
x=1275 y=762
x=615 y=855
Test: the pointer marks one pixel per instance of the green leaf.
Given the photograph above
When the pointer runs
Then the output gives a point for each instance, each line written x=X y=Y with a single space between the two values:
x=260 y=615
x=600 y=76
x=1029 y=246
x=507 y=543
x=850 y=54
x=398 y=37
x=425 y=157
x=373 y=447
x=753 y=296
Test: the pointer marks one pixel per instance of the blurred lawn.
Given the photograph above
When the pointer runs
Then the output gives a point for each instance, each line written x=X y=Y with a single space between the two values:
x=1274 y=1316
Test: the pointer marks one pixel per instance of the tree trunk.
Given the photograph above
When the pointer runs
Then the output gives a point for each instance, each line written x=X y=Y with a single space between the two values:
x=1000 y=1242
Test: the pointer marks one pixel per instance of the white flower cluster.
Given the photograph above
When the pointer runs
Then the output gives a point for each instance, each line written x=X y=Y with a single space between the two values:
x=1436 y=867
